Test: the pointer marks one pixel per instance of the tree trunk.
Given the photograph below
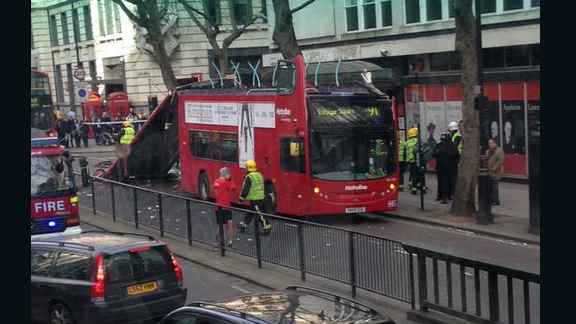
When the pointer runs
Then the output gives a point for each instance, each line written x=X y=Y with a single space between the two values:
x=284 y=35
x=223 y=62
x=164 y=63
x=464 y=202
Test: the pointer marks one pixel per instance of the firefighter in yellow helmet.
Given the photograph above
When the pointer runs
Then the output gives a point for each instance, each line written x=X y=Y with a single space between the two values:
x=411 y=148
x=253 y=192
x=124 y=138
x=401 y=161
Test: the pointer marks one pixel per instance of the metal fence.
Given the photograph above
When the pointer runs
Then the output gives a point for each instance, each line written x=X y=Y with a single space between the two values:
x=472 y=290
x=362 y=261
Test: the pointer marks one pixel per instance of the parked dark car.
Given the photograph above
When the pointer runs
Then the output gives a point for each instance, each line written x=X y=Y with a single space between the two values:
x=293 y=305
x=103 y=277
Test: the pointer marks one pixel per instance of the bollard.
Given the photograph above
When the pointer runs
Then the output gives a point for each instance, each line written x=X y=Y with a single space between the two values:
x=484 y=215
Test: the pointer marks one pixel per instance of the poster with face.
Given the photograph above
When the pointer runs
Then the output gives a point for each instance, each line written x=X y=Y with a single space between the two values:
x=513 y=137
x=495 y=124
x=533 y=112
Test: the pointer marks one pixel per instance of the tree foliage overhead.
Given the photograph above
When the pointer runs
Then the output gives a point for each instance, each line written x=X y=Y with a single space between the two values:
x=211 y=29
x=148 y=15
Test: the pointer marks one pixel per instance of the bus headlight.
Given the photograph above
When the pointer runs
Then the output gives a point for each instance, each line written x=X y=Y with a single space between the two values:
x=392 y=186
x=316 y=190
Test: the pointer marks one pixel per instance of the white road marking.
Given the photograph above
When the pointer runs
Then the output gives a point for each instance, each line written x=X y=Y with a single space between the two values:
x=241 y=289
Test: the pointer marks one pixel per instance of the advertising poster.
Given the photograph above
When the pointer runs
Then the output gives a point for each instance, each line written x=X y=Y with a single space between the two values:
x=435 y=122
x=495 y=129
x=513 y=136
x=453 y=111
x=246 y=133
x=533 y=112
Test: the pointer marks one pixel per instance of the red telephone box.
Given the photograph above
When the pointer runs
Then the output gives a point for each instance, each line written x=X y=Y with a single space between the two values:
x=118 y=105
x=94 y=103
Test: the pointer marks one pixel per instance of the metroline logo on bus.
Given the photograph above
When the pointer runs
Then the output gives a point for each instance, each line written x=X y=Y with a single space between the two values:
x=357 y=187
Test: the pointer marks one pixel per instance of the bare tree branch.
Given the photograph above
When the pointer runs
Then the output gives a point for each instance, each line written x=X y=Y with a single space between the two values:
x=232 y=16
x=129 y=13
x=191 y=10
x=302 y=6
x=237 y=32
x=134 y=2
x=164 y=10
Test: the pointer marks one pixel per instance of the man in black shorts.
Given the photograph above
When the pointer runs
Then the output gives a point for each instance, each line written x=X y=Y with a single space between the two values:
x=223 y=186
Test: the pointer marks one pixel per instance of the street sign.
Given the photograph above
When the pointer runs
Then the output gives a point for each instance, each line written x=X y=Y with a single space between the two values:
x=197 y=76
x=81 y=90
x=271 y=59
x=79 y=73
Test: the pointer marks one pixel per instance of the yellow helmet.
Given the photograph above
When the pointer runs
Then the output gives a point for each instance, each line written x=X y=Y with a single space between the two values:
x=127 y=124
x=250 y=165
x=412 y=132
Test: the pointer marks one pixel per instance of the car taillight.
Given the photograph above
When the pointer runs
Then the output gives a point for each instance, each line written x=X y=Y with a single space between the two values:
x=98 y=287
x=177 y=269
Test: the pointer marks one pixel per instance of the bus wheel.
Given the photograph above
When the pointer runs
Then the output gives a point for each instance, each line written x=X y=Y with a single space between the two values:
x=203 y=186
x=270 y=200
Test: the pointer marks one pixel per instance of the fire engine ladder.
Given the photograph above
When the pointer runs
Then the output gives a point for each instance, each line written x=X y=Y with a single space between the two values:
x=154 y=149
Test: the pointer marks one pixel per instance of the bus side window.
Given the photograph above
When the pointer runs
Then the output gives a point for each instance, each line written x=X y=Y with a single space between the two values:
x=229 y=147
x=292 y=156
x=203 y=139
x=192 y=143
x=215 y=146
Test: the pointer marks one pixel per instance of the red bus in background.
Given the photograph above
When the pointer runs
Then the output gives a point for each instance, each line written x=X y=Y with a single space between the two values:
x=320 y=150
x=42 y=121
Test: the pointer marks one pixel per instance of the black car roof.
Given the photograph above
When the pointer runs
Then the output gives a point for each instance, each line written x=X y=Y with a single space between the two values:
x=307 y=305
x=99 y=241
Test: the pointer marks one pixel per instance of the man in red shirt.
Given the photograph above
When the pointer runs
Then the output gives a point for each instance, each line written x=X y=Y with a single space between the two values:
x=223 y=186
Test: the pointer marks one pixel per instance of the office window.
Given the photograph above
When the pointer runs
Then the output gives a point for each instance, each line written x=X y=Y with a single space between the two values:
x=109 y=15
x=64 y=22
x=412 y=11
x=76 y=25
x=53 y=31
x=351 y=15
x=59 y=83
x=513 y=4
x=450 y=8
x=535 y=3
x=212 y=10
x=88 y=22
x=242 y=10
x=70 y=82
x=517 y=56
x=369 y=10
x=439 y=61
x=535 y=54
x=386 y=7
x=493 y=57
x=433 y=10
x=101 y=18
x=488 y=6
x=116 y=15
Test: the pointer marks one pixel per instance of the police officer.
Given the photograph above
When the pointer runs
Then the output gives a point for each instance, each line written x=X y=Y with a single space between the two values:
x=415 y=180
x=253 y=191
x=455 y=135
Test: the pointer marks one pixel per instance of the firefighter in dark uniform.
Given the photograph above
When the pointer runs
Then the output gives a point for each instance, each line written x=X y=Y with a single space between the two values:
x=253 y=191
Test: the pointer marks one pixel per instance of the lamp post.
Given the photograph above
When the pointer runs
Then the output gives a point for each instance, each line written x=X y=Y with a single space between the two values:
x=484 y=215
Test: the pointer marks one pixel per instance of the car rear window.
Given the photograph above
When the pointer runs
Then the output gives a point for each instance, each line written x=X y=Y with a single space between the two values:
x=73 y=266
x=137 y=264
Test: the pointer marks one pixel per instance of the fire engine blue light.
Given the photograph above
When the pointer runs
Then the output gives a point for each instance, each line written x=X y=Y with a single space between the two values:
x=51 y=223
x=43 y=142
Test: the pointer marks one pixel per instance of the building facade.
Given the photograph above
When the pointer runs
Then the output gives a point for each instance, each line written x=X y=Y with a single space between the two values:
x=413 y=41
x=98 y=36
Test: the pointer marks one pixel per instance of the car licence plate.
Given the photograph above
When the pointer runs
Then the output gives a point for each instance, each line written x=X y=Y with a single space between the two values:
x=355 y=210
x=142 y=288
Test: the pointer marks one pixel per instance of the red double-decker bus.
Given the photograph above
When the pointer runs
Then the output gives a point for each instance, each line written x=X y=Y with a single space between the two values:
x=320 y=150
x=42 y=121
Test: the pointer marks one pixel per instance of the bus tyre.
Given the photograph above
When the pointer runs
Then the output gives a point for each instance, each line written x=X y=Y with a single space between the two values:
x=203 y=186
x=270 y=199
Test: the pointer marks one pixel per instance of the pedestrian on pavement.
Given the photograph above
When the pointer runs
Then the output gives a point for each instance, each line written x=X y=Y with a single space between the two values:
x=401 y=161
x=455 y=134
x=83 y=131
x=447 y=157
x=75 y=132
x=253 y=192
x=95 y=121
x=223 y=186
x=62 y=130
x=495 y=162
x=414 y=181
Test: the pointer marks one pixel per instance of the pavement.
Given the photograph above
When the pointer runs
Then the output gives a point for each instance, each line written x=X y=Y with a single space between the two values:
x=511 y=217
x=269 y=276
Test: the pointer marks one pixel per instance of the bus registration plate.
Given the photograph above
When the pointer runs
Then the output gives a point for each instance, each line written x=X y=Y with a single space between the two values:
x=350 y=210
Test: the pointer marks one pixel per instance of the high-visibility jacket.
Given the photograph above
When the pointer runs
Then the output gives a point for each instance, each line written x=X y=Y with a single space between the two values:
x=128 y=136
x=457 y=140
x=410 y=148
x=256 y=186
x=401 y=151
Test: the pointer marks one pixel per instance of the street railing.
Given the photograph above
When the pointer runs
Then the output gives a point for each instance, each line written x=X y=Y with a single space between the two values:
x=362 y=261
x=435 y=289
